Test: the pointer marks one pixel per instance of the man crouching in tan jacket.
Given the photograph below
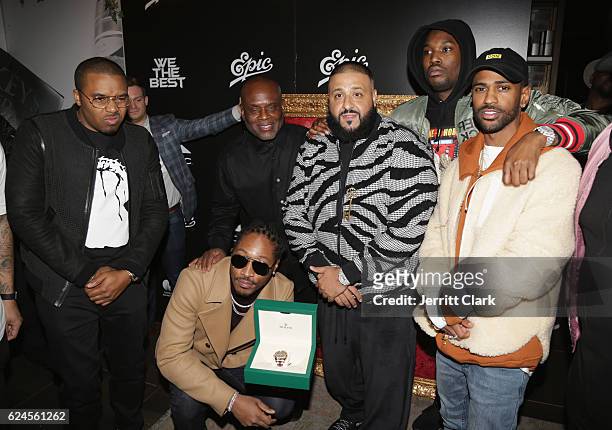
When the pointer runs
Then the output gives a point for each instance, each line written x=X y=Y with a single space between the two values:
x=486 y=354
x=208 y=333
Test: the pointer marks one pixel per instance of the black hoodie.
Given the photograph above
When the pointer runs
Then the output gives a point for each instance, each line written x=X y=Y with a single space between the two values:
x=441 y=113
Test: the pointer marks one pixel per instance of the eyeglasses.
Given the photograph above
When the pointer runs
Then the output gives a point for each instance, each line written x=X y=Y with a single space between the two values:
x=240 y=261
x=100 y=102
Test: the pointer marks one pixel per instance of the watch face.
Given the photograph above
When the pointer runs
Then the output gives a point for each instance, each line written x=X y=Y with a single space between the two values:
x=343 y=279
x=547 y=132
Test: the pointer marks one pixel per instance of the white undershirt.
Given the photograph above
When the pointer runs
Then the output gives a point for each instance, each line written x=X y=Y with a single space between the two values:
x=489 y=154
x=482 y=197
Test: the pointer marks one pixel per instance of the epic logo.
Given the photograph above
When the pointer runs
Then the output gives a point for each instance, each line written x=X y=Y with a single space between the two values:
x=328 y=64
x=166 y=74
x=244 y=67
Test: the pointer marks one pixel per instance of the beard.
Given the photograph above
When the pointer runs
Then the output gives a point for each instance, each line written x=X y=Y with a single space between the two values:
x=490 y=127
x=366 y=124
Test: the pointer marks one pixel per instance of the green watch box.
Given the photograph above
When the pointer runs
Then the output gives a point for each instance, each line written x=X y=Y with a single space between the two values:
x=284 y=350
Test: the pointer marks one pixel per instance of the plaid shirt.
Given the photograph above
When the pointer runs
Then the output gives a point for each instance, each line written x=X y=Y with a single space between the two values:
x=169 y=133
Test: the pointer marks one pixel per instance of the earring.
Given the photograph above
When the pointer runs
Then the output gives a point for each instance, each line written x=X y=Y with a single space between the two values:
x=273 y=273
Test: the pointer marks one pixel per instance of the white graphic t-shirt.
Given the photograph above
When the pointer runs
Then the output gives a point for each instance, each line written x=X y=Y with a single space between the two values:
x=109 y=220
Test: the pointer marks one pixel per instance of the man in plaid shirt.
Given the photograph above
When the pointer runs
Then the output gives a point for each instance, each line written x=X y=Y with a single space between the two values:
x=169 y=133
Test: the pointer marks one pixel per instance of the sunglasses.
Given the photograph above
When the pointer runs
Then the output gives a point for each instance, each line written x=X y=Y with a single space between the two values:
x=240 y=261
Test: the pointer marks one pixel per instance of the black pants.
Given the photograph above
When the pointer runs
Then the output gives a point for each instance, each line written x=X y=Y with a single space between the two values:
x=77 y=333
x=190 y=414
x=303 y=290
x=368 y=365
x=588 y=391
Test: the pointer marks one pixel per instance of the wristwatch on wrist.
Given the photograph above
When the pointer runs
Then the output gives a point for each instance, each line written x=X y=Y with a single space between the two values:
x=9 y=296
x=343 y=279
x=133 y=277
x=547 y=132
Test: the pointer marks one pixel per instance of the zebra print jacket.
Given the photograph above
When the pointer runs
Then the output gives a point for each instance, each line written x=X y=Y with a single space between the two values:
x=375 y=220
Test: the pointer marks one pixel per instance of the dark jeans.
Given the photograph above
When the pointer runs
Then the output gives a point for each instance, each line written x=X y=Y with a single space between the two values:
x=473 y=397
x=77 y=332
x=173 y=254
x=588 y=391
x=190 y=414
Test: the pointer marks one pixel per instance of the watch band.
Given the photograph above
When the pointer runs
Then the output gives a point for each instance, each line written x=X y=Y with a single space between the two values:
x=9 y=296
x=133 y=277
x=343 y=279
x=547 y=132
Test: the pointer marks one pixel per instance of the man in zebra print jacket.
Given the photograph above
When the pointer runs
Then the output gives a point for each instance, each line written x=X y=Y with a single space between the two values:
x=358 y=204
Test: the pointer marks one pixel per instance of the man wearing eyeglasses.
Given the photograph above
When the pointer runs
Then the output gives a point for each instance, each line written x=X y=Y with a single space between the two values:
x=169 y=133
x=85 y=196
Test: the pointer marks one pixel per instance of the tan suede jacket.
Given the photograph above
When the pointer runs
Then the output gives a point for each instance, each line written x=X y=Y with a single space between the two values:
x=195 y=335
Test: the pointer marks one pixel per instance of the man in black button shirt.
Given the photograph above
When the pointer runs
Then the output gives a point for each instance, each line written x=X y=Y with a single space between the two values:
x=253 y=176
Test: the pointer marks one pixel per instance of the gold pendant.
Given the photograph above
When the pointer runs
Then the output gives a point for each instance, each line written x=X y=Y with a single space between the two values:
x=351 y=193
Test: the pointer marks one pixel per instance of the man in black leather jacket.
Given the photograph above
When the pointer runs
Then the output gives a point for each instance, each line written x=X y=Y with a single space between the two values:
x=85 y=196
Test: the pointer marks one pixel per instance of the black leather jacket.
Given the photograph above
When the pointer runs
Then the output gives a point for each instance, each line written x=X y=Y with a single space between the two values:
x=50 y=180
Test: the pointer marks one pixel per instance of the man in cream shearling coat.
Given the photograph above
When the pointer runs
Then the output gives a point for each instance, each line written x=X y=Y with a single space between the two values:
x=486 y=355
